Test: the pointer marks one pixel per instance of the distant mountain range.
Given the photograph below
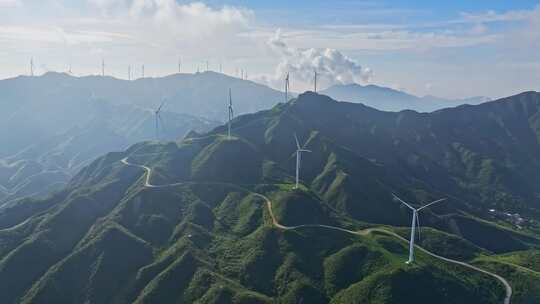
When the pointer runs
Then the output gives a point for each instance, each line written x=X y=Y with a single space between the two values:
x=53 y=124
x=200 y=228
x=49 y=163
x=387 y=99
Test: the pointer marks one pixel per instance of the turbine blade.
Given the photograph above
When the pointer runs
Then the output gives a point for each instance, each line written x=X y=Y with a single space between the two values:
x=160 y=106
x=403 y=202
x=297 y=143
x=304 y=150
x=434 y=202
x=418 y=224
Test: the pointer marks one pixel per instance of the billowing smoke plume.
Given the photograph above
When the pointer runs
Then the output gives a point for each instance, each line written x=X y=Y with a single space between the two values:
x=331 y=65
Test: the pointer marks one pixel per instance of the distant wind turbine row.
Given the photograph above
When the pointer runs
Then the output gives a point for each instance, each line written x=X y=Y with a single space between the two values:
x=102 y=70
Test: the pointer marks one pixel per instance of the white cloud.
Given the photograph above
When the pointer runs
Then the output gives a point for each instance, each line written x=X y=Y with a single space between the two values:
x=129 y=32
x=492 y=16
x=54 y=35
x=331 y=65
x=194 y=19
x=166 y=27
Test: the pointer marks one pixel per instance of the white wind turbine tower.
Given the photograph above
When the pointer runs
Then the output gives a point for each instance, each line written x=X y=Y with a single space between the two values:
x=287 y=87
x=415 y=223
x=32 y=66
x=299 y=151
x=158 y=118
x=231 y=114
x=315 y=82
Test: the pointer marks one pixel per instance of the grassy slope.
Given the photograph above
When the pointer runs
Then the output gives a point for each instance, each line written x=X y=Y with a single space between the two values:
x=212 y=242
x=521 y=270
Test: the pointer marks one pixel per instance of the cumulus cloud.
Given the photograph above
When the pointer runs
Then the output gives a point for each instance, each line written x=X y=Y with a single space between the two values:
x=167 y=29
x=332 y=66
x=188 y=19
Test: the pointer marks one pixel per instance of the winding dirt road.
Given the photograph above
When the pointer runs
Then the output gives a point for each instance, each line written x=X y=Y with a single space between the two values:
x=275 y=222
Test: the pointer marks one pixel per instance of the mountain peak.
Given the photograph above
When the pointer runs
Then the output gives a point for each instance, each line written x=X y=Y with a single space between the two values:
x=388 y=99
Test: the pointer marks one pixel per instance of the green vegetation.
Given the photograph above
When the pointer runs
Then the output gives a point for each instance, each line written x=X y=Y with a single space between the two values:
x=520 y=269
x=201 y=234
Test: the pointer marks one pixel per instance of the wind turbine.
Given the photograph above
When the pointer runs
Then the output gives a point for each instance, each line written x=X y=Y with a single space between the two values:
x=157 y=113
x=231 y=114
x=415 y=222
x=287 y=87
x=32 y=66
x=179 y=65
x=142 y=71
x=315 y=82
x=299 y=151
x=102 y=66
x=129 y=72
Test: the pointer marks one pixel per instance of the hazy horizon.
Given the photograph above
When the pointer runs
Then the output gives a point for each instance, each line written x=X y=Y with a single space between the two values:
x=452 y=50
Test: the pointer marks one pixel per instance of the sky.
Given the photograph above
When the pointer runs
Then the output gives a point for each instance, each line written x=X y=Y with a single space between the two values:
x=452 y=49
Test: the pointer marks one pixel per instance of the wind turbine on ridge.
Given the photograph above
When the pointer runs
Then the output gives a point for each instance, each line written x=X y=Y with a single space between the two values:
x=158 y=119
x=102 y=66
x=231 y=114
x=287 y=87
x=315 y=82
x=299 y=152
x=415 y=223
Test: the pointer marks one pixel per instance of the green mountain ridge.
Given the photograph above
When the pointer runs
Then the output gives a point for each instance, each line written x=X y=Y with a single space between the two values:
x=202 y=234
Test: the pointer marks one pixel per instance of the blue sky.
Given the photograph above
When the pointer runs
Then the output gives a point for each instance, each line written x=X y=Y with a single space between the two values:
x=445 y=48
